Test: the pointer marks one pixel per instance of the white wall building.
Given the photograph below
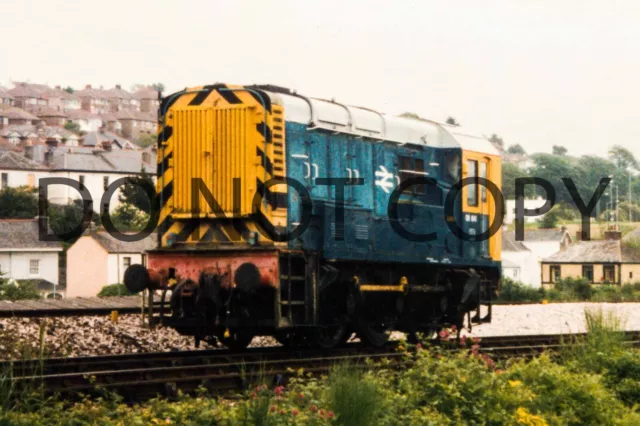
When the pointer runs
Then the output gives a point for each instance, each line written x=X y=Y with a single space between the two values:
x=518 y=262
x=510 y=213
x=23 y=256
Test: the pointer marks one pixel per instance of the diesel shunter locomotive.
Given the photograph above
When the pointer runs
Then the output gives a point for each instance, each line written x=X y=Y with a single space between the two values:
x=303 y=219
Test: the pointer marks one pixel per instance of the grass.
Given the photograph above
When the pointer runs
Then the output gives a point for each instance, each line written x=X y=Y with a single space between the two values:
x=354 y=399
x=568 y=290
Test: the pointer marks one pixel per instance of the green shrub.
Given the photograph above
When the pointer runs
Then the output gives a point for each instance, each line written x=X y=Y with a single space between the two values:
x=574 y=289
x=114 y=290
x=18 y=290
x=513 y=291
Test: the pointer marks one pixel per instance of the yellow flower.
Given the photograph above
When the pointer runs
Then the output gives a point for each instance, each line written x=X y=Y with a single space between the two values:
x=300 y=371
x=514 y=383
x=523 y=417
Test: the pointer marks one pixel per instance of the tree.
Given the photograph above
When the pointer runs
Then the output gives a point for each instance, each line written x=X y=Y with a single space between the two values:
x=510 y=172
x=559 y=150
x=126 y=217
x=18 y=203
x=553 y=168
x=65 y=218
x=549 y=220
x=516 y=149
x=452 y=121
x=72 y=127
x=497 y=141
x=136 y=191
x=410 y=115
x=145 y=140
x=158 y=86
x=622 y=158
x=69 y=89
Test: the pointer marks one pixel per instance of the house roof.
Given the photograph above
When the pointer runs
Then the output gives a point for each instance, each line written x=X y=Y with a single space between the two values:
x=509 y=242
x=129 y=162
x=23 y=234
x=136 y=115
x=51 y=112
x=118 y=92
x=16 y=161
x=79 y=114
x=90 y=92
x=24 y=90
x=15 y=113
x=506 y=263
x=601 y=251
x=112 y=245
x=94 y=138
x=146 y=93
x=4 y=94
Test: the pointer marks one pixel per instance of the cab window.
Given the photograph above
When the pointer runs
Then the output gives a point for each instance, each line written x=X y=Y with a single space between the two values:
x=483 y=188
x=472 y=189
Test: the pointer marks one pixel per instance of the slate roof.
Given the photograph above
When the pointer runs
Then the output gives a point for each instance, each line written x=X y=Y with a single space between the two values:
x=509 y=242
x=94 y=138
x=112 y=245
x=17 y=161
x=146 y=93
x=79 y=114
x=101 y=161
x=51 y=112
x=23 y=234
x=602 y=251
x=135 y=115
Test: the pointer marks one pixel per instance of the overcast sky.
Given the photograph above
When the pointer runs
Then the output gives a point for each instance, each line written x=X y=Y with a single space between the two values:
x=541 y=73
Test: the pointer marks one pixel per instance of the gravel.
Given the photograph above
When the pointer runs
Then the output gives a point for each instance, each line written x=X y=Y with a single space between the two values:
x=85 y=336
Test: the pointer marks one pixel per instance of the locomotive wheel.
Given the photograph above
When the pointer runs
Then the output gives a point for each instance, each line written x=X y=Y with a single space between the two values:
x=237 y=340
x=376 y=335
x=331 y=336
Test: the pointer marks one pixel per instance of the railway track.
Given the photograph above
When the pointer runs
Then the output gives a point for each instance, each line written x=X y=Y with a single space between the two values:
x=144 y=375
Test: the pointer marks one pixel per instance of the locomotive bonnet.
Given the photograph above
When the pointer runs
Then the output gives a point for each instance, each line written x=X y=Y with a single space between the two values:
x=309 y=220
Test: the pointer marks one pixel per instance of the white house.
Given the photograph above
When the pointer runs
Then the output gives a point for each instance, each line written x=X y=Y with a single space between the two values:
x=518 y=262
x=17 y=170
x=86 y=121
x=24 y=256
x=95 y=170
x=97 y=259
x=510 y=213
x=541 y=243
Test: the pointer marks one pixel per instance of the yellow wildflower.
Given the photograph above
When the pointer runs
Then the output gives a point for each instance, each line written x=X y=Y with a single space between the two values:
x=514 y=383
x=523 y=417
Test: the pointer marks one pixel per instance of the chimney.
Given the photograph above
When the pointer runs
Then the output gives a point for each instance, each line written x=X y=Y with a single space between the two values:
x=106 y=145
x=48 y=157
x=88 y=86
x=52 y=143
x=58 y=87
x=118 y=87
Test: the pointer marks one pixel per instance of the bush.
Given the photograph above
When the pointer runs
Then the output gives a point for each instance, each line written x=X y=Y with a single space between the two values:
x=513 y=291
x=14 y=290
x=574 y=289
x=355 y=399
x=114 y=290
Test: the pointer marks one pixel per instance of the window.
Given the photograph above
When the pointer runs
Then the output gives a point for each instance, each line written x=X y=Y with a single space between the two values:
x=34 y=266
x=472 y=189
x=5 y=180
x=609 y=272
x=31 y=180
x=630 y=273
x=411 y=168
x=554 y=273
x=81 y=180
x=587 y=272
x=126 y=262
x=105 y=182
x=483 y=188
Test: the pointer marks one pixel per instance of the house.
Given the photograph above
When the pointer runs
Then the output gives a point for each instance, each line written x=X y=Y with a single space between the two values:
x=16 y=170
x=149 y=101
x=95 y=170
x=19 y=116
x=107 y=141
x=120 y=99
x=86 y=121
x=26 y=256
x=4 y=120
x=93 y=100
x=98 y=259
x=518 y=262
x=135 y=123
x=52 y=116
x=6 y=98
x=608 y=261
x=27 y=97
x=111 y=123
